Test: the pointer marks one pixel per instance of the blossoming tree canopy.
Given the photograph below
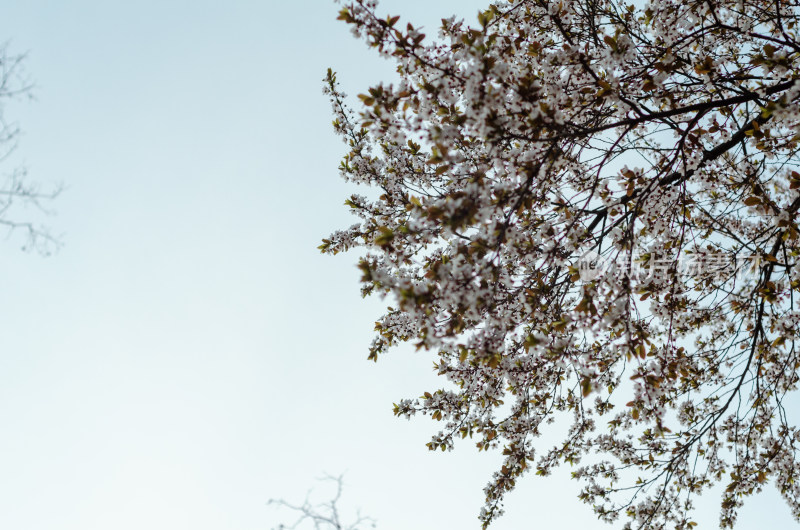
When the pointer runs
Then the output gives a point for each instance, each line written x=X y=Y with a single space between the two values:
x=661 y=140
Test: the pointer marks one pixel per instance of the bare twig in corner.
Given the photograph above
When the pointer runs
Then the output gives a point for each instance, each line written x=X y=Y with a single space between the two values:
x=325 y=515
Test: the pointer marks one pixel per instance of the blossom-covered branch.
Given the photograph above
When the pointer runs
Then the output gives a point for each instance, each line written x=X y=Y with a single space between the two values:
x=644 y=135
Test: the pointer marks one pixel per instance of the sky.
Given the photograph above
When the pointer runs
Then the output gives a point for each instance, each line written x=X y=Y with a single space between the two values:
x=188 y=354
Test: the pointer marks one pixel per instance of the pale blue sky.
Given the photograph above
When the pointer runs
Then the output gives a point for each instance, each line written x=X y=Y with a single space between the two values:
x=189 y=354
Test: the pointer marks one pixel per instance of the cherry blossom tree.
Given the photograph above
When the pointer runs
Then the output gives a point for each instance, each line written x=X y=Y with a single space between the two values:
x=587 y=212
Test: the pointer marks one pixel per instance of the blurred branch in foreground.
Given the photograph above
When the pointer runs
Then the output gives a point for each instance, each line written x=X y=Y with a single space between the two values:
x=16 y=192
x=325 y=515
